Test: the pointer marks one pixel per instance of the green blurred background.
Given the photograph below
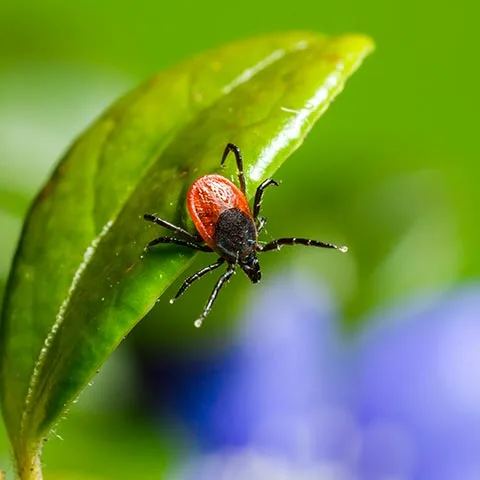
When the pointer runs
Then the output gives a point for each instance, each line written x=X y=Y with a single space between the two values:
x=390 y=170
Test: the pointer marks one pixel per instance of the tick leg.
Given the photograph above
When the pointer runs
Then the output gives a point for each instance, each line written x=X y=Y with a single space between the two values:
x=277 y=244
x=257 y=203
x=238 y=156
x=221 y=282
x=170 y=226
x=181 y=242
x=196 y=276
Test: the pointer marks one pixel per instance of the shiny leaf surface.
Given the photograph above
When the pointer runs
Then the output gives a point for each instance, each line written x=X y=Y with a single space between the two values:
x=81 y=279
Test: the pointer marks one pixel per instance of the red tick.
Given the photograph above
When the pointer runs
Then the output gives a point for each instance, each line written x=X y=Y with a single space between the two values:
x=226 y=225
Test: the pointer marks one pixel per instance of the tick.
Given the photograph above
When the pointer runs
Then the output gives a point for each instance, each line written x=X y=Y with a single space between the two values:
x=227 y=226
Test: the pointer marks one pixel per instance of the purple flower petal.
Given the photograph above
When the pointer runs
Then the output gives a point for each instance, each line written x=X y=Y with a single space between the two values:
x=419 y=372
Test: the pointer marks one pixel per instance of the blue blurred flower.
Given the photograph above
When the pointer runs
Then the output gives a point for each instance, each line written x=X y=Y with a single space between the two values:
x=294 y=399
x=416 y=379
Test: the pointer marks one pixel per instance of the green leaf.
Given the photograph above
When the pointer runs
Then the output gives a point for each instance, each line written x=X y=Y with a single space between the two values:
x=81 y=279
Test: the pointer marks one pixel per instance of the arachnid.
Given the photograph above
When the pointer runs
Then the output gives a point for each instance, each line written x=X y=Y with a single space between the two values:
x=226 y=225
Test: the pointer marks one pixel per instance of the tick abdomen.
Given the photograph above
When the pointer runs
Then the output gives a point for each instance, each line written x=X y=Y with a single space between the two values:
x=208 y=198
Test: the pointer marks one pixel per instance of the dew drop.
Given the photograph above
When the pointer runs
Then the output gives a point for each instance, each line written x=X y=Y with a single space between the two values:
x=103 y=299
x=172 y=300
x=343 y=249
x=198 y=322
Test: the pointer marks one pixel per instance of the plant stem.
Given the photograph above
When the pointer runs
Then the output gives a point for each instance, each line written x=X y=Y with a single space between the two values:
x=29 y=466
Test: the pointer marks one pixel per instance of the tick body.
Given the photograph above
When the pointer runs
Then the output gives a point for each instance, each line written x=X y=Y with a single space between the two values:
x=227 y=226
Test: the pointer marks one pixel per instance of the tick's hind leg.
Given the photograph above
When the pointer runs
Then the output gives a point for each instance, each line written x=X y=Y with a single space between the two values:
x=221 y=282
x=181 y=242
x=170 y=226
x=238 y=157
x=196 y=276
x=277 y=244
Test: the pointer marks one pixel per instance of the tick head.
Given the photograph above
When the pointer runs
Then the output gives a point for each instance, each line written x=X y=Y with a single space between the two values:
x=251 y=267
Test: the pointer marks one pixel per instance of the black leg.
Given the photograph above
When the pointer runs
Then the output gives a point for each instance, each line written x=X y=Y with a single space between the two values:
x=181 y=242
x=238 y=156
x=257 y=203
x=277 y=244
x=196 y=276
x=224 y=278
x=170 y=226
